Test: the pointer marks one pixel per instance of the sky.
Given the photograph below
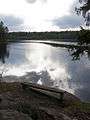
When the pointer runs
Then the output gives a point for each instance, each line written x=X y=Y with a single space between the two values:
x=40 y=15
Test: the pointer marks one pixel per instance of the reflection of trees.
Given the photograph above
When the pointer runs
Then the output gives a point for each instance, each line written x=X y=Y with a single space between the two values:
x=3 y=44
x=89 y=53
x=34 y=77
x=46 y=78
x=4 y=53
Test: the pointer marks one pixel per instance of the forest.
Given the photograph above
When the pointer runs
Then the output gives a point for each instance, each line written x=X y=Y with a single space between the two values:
x=68 y=35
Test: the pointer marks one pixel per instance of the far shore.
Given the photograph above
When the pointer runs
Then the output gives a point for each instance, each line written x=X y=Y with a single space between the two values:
x=47 y=42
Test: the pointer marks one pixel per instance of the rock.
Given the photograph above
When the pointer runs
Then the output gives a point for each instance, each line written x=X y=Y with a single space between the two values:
x=13 y=115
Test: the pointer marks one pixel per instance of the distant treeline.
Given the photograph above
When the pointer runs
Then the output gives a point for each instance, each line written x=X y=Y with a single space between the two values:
x=62 y=36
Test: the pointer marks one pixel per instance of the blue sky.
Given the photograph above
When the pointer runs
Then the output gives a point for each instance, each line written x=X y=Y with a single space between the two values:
x=39 y=15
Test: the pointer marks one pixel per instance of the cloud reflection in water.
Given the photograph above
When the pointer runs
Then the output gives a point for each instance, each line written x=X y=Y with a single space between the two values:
x=50 y=66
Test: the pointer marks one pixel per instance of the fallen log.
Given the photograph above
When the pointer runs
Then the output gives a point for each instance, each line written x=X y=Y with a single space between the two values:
x=42 y=87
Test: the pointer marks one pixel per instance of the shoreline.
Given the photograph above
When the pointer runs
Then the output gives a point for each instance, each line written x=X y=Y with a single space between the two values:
x=36 y=105
x=53 y=43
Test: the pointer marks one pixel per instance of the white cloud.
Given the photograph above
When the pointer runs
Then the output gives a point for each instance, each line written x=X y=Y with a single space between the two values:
x=12 y=22
x=36 y=16
x=72 y=20
x=69 y=21
x=33 y=1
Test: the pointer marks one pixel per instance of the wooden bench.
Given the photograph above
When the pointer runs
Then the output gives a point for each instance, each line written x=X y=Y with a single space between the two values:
x=42 y=87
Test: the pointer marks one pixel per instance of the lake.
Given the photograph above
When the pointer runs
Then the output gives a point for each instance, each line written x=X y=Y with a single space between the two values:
x=47 y=65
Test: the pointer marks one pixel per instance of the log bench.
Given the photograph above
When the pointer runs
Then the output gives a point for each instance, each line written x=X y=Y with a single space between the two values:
x=26 y=85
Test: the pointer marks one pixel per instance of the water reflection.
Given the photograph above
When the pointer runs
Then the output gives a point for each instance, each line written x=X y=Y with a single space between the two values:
x=89 y=52
x=4 y=53
x=50 y=66
x=76 y=50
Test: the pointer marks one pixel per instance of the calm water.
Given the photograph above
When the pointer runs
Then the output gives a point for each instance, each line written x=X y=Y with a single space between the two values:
x=47 y=65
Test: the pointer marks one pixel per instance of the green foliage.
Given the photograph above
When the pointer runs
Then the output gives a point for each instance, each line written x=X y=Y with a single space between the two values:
x=82 y=45
x=68 y=36
x=85 y=7
x=84 y=37
x=77 y=52
x=3 y=31
x=84 y=10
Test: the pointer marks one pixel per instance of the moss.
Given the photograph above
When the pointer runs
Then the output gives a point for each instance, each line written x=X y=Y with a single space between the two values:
x=78 y=106
x=5 y=87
